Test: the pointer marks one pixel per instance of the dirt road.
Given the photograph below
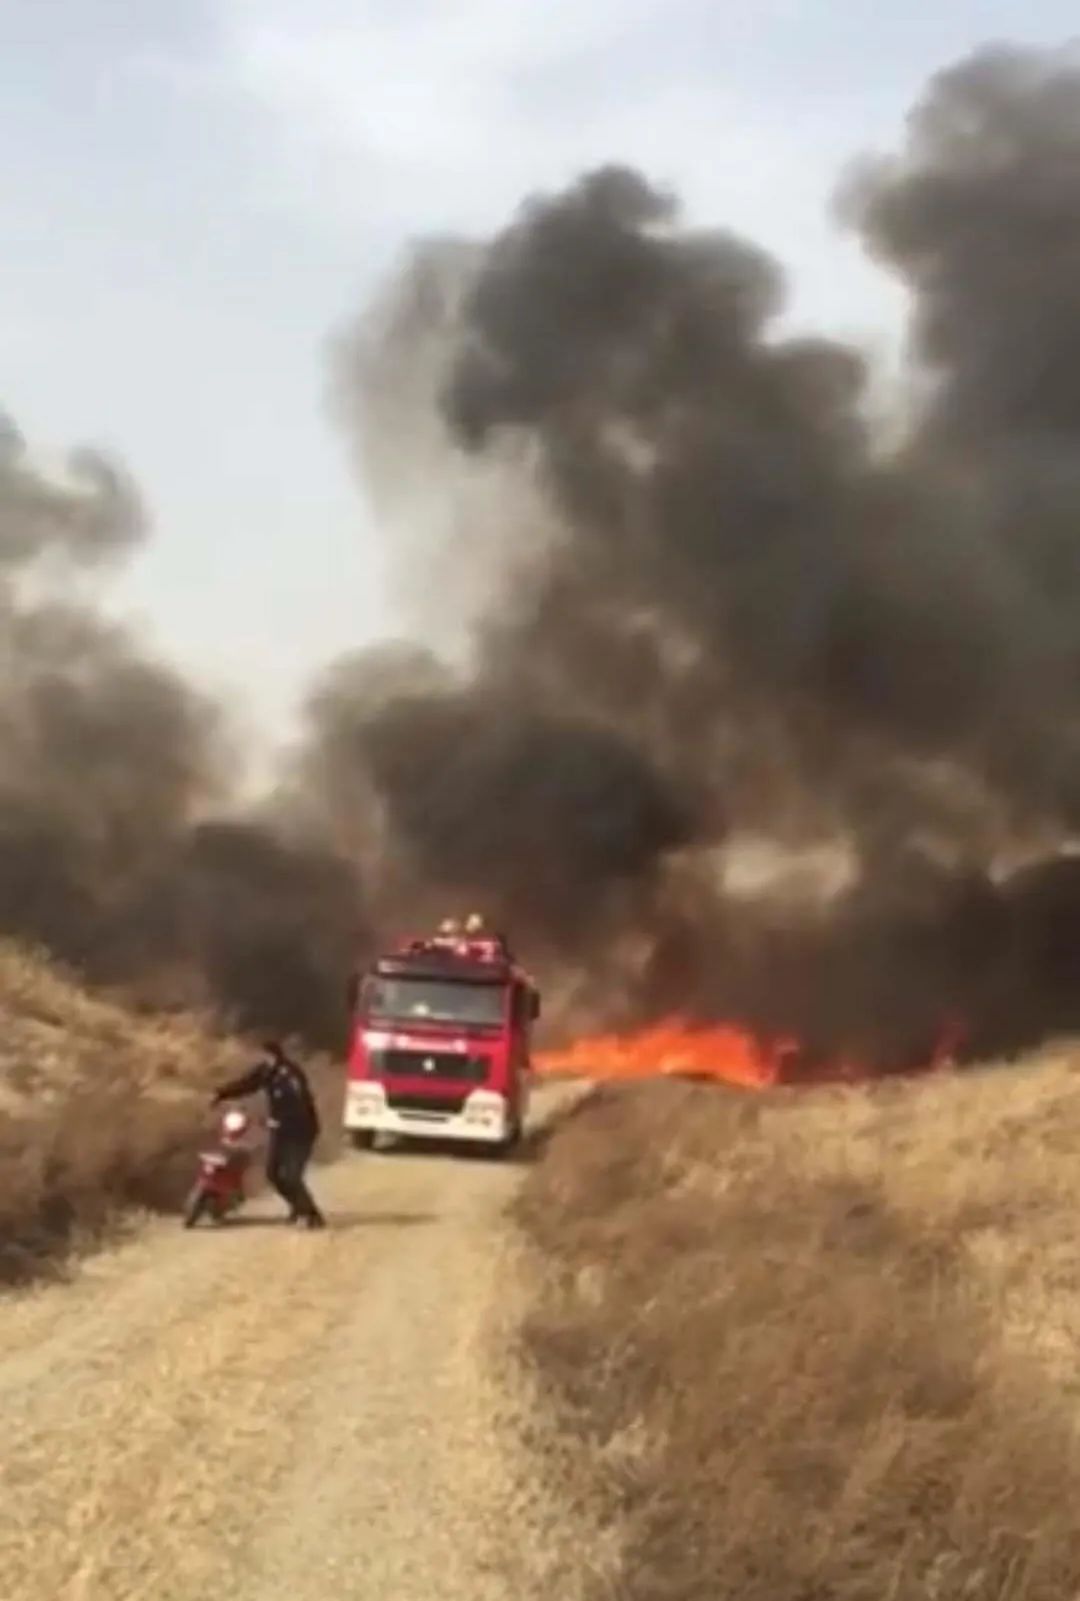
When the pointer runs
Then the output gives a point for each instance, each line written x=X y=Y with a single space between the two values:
x=272 y=1412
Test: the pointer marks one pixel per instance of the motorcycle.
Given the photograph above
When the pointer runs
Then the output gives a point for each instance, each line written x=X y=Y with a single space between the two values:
x=220 y=1189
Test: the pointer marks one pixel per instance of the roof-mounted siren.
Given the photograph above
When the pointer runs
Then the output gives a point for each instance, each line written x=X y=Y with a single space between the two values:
x=448 y=937
x=471 y=940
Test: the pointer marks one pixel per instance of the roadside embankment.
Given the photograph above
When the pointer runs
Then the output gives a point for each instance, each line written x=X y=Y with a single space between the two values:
x=817 y=1344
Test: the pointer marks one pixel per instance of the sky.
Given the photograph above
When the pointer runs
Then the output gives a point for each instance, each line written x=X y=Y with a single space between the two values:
x=194 y=195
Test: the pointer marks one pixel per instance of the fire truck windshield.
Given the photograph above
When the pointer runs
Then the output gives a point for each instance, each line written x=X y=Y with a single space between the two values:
x=414 y=1000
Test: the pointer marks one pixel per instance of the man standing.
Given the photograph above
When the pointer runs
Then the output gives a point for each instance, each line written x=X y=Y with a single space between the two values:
x=293 y=1121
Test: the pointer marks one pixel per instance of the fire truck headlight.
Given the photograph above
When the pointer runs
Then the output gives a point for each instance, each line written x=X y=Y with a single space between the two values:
x=368 y=1101
x=484 y=1106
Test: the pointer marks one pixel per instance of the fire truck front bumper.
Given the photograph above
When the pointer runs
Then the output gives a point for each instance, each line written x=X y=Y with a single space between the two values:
x=483 y=1118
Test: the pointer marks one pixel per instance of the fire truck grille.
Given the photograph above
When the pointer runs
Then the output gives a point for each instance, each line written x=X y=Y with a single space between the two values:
x=427 y=1105
x=437 y=1067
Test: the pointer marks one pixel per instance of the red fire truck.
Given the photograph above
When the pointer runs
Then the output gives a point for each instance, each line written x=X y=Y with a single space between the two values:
x=441 y=1043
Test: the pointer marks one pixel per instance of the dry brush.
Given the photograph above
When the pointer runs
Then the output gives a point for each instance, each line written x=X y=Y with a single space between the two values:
x=818 y=1344
x=101 y=1108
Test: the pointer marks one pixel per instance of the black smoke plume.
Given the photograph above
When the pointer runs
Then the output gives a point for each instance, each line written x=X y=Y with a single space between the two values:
x=737 y=610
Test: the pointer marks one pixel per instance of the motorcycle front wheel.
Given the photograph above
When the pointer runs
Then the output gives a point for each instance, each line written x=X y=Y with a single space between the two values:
x=197 y=1203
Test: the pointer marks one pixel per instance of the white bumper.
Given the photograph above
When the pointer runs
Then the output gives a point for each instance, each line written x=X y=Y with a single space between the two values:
x=484 y=1118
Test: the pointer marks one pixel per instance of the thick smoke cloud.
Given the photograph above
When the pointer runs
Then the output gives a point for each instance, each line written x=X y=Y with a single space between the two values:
x=739 y=610
x=682 y=614
x=102 y=753
x=441 y=512
x=481 y=790
x=112 y=770
x=981 y=217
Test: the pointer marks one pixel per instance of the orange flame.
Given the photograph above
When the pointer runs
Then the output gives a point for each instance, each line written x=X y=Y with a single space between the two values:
x=723 y=1052
x=672 y=1049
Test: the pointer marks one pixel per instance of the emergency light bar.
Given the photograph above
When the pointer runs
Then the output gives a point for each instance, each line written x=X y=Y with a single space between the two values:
x=488 y=948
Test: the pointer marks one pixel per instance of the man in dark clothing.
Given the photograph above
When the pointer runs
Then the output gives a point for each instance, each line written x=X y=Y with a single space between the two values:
x=293 y=1120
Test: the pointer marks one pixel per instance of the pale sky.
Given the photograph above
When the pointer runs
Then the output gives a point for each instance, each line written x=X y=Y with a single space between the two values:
x=194 y=193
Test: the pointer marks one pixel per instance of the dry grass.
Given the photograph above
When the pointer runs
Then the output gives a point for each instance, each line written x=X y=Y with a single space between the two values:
x=101 y=1110
x=822 y=1345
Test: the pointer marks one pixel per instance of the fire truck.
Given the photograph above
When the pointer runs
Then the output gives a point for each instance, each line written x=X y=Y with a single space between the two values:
x=440 y=1045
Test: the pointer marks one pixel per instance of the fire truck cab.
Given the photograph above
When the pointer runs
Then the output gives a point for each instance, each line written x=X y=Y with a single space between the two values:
x=440 y=1045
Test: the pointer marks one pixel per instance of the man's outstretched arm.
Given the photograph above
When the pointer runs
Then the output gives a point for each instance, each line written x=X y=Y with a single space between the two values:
x=247 y=1084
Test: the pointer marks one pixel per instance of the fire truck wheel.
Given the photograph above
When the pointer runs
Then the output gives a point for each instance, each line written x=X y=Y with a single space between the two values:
x=506 y=1147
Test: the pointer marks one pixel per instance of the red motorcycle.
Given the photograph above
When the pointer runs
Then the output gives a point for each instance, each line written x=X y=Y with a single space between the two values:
x=220 y=1189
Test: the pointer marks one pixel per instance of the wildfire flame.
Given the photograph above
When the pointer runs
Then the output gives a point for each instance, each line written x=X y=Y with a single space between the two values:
x=673 y=1049
x=724 y=1052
